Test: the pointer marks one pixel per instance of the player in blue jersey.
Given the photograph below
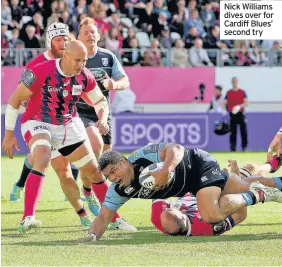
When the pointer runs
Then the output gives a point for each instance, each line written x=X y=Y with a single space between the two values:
x=218 y=194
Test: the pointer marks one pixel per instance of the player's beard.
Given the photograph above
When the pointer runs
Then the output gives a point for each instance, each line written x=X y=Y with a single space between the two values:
x=56 y=53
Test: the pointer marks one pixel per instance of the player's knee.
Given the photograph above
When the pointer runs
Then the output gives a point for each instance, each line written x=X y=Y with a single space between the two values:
x=64 y=174
x=92 y=172
x=42 y=157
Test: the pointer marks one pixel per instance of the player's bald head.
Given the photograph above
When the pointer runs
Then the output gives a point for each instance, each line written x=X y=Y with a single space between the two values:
x=171 y=222
x=74 y=58
x=75 y=46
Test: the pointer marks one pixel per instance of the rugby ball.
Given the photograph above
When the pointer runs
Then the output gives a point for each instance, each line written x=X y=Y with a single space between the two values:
x=147 y=180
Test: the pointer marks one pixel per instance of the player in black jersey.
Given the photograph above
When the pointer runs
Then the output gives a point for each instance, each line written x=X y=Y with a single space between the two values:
x=109 y=75
x=218 y=194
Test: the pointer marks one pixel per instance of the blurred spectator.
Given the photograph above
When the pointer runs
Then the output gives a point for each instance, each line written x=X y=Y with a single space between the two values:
x=166 y=40
x=123 y=101
x=191 y=37
x=212 y=41
x=37 y=22
x=207 y=15
x=33 y=6
x=199 y=56
x=130 y=34
x=196 y=22
x=148 y=59
x=30 y=40
x=133 y=57
x=112 y=41
x=62 y=6
x=15 y=38
x=179 y=55
x=144 y=17
x=192 y=4
x=6 y=16
x=226 y=57
x=115 y=22
x=159 y=8
x=70 y=5
x=4 y=37
x=258 y=56
x=95 y=7
x=276 y=54
x=53 y=18
x=268 y=44
x=243 y=57
x=158 y=24
x=156 y=50
x=133 y=6
x=81 y=8
x=16 y=11
x=217 y=101
x=102 y=24
x=65 y=18
x=178 y=19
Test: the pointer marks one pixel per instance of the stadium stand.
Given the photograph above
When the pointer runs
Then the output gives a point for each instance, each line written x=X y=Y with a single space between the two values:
x=23 y=23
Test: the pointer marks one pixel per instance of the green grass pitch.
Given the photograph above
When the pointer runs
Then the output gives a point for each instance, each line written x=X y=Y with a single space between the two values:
x=256 y=242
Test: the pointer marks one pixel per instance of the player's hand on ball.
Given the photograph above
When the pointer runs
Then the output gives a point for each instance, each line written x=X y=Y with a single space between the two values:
x=9 y=143
x=161 y=179
x=109 y=83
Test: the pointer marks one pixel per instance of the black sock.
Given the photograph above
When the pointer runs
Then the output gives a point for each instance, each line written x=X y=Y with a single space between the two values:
x=75 y=172
x=81 y=212
x=25 y=172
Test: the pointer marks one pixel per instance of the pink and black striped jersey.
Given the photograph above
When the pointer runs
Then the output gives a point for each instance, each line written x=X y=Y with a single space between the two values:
x=54 y=94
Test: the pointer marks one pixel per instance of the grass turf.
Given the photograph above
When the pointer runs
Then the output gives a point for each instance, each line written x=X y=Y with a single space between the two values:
x=256 y=242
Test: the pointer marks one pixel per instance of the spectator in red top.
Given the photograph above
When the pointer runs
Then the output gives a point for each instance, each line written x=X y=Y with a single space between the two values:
x=243 y=57
x=236 y=101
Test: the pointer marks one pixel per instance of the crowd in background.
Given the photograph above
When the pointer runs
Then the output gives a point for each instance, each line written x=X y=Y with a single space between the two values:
x=140 y=32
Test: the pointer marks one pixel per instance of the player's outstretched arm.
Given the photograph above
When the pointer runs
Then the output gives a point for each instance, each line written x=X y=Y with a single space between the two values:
x=275 y=145
x=101 y=223
x=10 y=142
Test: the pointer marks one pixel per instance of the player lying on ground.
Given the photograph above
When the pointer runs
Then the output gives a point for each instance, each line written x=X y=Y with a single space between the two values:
x=196 y=171
x=181 y=217
x=52 y=89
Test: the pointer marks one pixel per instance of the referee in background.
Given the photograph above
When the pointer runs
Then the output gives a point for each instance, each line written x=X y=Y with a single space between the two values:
x=236 y=102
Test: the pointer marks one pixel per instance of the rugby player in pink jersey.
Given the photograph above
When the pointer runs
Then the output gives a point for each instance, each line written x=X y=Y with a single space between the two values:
x=182 y=217
x=52 y=89
x=57 y=36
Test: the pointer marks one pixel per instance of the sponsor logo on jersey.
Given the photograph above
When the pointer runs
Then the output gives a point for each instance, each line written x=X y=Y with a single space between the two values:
x=76 y=89
x=65 y=93
x=40 y=127
x=216 y=172
x=129 y=190
x=105 y=61
x=204 y=179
